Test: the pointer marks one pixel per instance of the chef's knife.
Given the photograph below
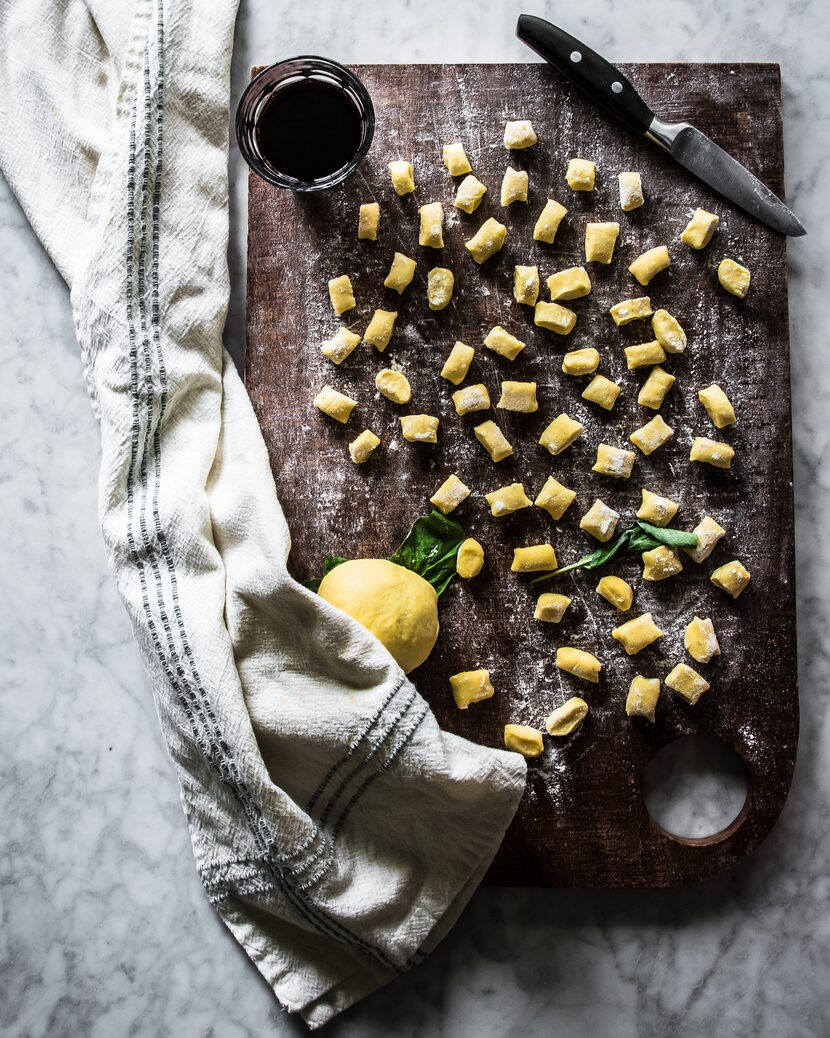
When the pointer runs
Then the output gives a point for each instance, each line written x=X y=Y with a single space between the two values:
x=608 y=87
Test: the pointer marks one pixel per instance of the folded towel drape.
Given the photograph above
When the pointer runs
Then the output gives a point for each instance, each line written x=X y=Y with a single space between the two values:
x=336 y=829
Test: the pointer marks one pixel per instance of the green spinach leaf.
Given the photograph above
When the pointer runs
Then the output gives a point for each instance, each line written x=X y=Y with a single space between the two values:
x=430 y=549
x=633 y=540
x=665 y=535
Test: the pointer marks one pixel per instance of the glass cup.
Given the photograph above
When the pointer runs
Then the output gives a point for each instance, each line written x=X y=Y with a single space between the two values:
x=286 y=73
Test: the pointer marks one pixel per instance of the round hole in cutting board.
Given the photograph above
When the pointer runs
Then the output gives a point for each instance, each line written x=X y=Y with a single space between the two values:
x=695 y=787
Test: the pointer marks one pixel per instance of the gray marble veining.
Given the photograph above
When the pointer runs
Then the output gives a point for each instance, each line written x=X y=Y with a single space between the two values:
x=105 y=930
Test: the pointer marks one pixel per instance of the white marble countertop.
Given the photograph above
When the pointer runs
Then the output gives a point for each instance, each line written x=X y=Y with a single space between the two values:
x=105 y=930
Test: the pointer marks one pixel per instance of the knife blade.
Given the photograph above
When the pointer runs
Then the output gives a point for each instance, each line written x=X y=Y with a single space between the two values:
x=606 y=86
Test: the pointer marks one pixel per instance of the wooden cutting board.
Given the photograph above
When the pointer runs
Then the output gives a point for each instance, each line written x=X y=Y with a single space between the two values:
x=582 y=821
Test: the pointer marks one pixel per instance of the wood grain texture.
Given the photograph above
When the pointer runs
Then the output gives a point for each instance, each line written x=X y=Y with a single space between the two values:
x=582 y=821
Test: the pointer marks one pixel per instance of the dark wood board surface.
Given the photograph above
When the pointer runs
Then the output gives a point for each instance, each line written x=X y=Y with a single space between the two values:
x=582 y=821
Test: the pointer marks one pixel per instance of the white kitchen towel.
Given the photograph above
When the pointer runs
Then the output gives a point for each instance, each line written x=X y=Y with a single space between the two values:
x=337 y=830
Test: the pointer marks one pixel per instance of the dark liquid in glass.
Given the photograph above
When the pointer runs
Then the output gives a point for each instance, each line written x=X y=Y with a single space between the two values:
x=309 y=129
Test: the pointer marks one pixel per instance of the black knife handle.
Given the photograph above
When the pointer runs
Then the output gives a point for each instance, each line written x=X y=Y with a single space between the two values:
x=603 y=83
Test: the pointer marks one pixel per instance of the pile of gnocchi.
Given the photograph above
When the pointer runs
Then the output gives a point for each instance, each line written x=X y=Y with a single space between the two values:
x=600 y=521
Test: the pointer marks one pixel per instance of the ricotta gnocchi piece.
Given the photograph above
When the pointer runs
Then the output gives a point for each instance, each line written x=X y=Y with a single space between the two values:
x=571 y=283
x=431 y=234
x=334 y=404
x=649 y=263
x=657 y=510
x=471 y=686
x=700 y=639
x=519 y=397
x=711 y=452
x=600 y=521
x=555 y=498
x=661 y=563
x=699 y=230
x=653 y=390
x=507 y=500
x=400 y=273
x=616 y=591
x=340 y=346
x=579 y=663
x=493 y=440
x=403 y=179
x=514 y=186
x=394 y=385
x=551 y=607
x=341 y=294
x=637 y=634
x=628 y=310
x=500 y=341
x=581 y=175
x=362 y=446
x=560 y=434
x=733 y=578
x=419 y=428
x=734 y=277
x=602 y=392
x=581 y=362
x=450 y=495
x=458 y=363
x=469 y=195
x=455 y=159
x=600 y=241
x=644 y=354
x=708 y=533
x=440 y=284
x=687 y=683
x=548 y=223
x=568 y=718
x=470 y=559
x=526 y=285
x=379 y=330
x=643 y=694
x=554 y=318
x=487 y=240
x=519 y=134
x=533 y=559
x=652 y=435
x=631 y=190
x=521 y=738
x=368 y=222
x=470 y=399
x=613 y=461
x=668 y=332
x=718 y=406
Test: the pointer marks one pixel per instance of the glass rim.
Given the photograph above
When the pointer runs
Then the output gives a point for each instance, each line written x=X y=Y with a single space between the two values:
x=352 y=85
